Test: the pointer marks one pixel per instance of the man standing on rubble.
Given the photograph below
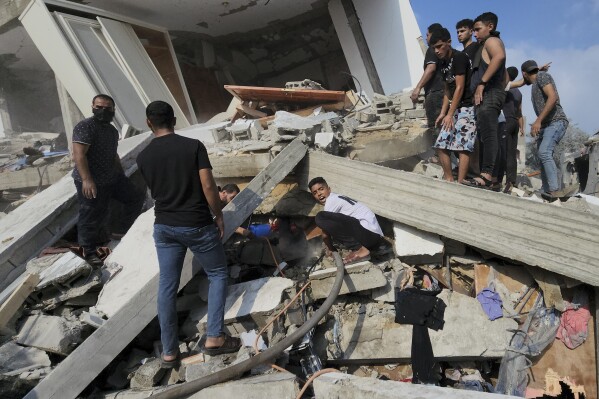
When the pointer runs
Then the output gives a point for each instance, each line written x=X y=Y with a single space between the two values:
x=551 y=124
x=431 y=82
x=99 y=177
x=488 y=83
x=465 y=30
x=348 y=222
x=179 y=176
x=458 y=126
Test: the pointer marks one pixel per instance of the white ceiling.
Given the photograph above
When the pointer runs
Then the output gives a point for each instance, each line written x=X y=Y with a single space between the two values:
x=212 y=17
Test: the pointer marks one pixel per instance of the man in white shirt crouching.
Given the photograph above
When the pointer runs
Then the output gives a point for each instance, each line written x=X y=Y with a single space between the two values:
x=347 y=221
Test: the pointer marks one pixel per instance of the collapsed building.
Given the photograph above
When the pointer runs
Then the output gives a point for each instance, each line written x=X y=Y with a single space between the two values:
x=68 y=330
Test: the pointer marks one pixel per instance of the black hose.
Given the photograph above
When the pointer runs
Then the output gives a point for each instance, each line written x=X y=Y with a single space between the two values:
x=269 y=355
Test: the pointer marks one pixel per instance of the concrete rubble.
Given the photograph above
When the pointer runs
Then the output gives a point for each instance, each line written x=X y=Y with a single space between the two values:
x=359 y=334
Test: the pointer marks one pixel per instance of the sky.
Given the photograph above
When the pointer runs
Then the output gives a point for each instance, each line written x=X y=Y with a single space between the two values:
x=564 y=32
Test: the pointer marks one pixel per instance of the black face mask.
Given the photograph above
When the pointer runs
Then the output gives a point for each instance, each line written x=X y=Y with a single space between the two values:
x=103 y=115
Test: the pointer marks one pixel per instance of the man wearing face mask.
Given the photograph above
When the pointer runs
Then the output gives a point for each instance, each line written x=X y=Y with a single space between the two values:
x=99 y=177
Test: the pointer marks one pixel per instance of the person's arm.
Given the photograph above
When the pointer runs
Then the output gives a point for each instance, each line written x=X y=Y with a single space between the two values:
x=88 y=185
x=211 y=193
x=460 y=83
x=428 y=74
x=494 y=48
x=444 y=107
x=551 y=94
x=521 y=121
x=516 y=84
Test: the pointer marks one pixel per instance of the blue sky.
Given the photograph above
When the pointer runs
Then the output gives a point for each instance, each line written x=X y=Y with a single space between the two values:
x=565 y=32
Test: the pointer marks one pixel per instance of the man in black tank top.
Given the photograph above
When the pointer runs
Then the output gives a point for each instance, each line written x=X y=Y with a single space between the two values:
x=489 y=81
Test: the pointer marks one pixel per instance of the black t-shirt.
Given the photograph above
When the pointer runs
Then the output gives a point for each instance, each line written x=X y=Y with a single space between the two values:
x=471 y=50
x=458 y=64
x=436 y=83
x=511 y=107
x=170 y=166
x=103 y=139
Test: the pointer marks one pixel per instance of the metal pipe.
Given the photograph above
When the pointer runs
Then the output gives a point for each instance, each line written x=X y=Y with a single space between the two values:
x=269 y=355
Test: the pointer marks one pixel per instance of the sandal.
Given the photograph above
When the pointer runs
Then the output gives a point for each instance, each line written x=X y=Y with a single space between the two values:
x=475 y=183
x=170 y=364
x=230 y=345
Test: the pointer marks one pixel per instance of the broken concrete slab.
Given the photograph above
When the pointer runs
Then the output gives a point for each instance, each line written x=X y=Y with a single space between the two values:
x=65 y=268
x=338 y=385
x=148 y=374
x=416 y=246
x=370 y=332
x=202 y=369
x=387 y=292
x=256 y=299
x=279 y=385
x=50 y=333
x=14 y=357
x=361 y=276
x=415 y=142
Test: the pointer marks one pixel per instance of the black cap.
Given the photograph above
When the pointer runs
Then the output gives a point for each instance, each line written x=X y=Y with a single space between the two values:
x=529 y=66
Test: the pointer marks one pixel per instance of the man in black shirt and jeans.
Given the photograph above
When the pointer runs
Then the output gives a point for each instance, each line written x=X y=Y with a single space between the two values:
x=458 y=126
x=464 y=29
x=431 y=82
x=179 y=175
x=99 y=177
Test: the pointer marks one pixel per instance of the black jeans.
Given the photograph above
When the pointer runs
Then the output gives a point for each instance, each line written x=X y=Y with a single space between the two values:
x=347 y=230
x=511 y=135
x=93 y=213
x=487 y=114
x=499 y=168
x=433 y=103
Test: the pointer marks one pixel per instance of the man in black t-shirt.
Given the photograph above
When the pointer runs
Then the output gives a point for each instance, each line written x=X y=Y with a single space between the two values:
x=465 y=32
x=178 y=172
x=99 y=177
x=458 y=126
x=431 y=82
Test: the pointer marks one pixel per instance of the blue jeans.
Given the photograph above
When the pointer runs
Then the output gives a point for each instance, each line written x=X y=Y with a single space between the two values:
x=171 y=245
x=548 y=138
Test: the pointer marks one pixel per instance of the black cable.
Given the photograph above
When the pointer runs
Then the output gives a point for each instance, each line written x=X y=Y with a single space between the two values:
x=359 y=92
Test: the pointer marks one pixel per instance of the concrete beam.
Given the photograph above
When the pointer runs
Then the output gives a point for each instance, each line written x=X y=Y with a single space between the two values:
x=338 y=385
x=40 y=176
x=82 y=366
x=560 y=240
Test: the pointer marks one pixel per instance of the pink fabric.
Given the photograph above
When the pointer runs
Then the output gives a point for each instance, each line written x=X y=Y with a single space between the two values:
x=573 y=328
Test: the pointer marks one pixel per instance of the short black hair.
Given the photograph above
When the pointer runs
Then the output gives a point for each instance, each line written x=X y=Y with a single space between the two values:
x=434 y=27
x=160 y=114
x=103 y=97
x=317 y=180
x=488 y=18
x=439 y=34
x=230 y=188
x=465 y=23
x=512 y=73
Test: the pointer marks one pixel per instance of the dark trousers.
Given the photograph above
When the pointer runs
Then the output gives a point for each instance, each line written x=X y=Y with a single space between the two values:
x=499 y=168
x=347 y=230
x=487 y=114
x=93 y=213
x=510 y=160
x=433 y=103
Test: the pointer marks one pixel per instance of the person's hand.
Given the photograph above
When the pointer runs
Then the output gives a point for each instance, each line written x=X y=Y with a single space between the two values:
x=535 y=128
x=220 y=224
x=89 y=189
x=415 y=94
x=522 y=133
x=447 y=123
x=478 y=94
x=545 y=67
x=439 y=119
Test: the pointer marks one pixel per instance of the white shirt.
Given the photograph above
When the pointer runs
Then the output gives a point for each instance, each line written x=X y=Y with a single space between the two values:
x=347 y=206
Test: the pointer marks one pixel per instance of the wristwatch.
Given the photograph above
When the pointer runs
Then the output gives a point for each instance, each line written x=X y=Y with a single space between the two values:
x=483 y=83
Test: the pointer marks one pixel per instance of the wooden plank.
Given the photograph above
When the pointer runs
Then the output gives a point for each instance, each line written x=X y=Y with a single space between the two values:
x=560 y=240
x=84 y=364
x=279 y=95
x=16 y=299
x=250 y=111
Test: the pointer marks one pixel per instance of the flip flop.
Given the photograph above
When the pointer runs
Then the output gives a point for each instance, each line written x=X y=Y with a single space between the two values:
x=476 y=184
x=170 y=364
x=230 y=345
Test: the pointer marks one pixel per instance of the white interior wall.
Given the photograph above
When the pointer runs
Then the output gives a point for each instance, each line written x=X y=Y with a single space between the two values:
x=392 y=33
x=349 y=45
